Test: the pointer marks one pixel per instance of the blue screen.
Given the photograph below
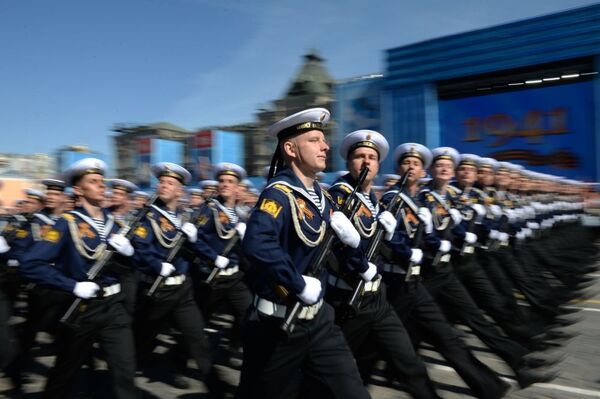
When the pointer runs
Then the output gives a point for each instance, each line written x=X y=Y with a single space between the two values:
x=548 y=129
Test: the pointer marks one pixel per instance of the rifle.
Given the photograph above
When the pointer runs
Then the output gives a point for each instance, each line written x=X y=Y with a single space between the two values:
x=395 y=206
x=351 y=206
x=470 y=228
x=230 y=244
x=446 y=236
x=128 y=231
x=413 y=268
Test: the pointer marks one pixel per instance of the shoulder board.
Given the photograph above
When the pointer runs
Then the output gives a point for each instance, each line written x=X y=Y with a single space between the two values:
x=68 y=217
x=454 y=190
x=343 y=186
x=282 y=187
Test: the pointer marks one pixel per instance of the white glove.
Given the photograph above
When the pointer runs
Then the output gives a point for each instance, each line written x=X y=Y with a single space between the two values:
x=456 y=216
x=241 y=229
x=343 y=228
x=190 y=231
x=388 y=222
x=4 y=247
x=221 y=262
x=533 y=225
x=445 y=246
x=512 y=215
x=166 y=269
x=495 y=210
x=503 y=237
x=312 y=290
x=526 y=232
x=86 y=289
x=479 y=209
x=121 y=244
x=520 y=236
x=416 y=256
x=424 y=215
x=470 y=238
x=494 y=234
x=371 y=272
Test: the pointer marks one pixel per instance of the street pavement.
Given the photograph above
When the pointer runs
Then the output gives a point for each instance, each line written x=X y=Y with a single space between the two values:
x=579 y=371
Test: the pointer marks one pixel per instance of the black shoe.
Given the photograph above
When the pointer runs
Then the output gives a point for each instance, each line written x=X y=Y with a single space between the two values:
x=526 y=377
x=568 y=310
x=533 y=362
x=180 y=382
x=559 y=335
x=565 y=322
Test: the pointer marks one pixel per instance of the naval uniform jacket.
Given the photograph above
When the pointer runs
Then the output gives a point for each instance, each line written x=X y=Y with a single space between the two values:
x=283 y=235
x=158 y=232
x=68 y=249
x=217 y=227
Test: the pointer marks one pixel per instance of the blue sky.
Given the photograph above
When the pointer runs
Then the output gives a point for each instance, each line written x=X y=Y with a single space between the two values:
x=71 y=69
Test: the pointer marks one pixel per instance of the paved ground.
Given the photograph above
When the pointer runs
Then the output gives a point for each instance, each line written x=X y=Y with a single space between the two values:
x=579 y=376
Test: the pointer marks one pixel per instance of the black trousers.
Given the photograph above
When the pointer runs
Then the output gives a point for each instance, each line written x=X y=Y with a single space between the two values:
x=503 y=309
x=173 y=305
x=424 y=320
x=378 y=328
x=104 y=320
x=234 y=296
x=274 y=365
x=6 y=347
x=44 y=310
x=454 y=299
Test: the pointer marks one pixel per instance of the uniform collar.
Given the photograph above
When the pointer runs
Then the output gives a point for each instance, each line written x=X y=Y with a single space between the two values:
x=288 y=178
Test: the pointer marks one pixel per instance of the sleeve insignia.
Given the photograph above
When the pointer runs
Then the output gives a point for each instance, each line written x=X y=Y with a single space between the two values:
x=52 y=235
x=141 y=232
x=21 y=233
x=429 y=198
x=271 y=207
x=202 y=220
x=340 y=200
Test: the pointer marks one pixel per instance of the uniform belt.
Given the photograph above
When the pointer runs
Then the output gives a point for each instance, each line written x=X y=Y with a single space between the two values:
x=229 y=271
x=445 y=258
x=469 y=249
x=389 y=268
x=268 y=308
x=171 y=280
x=111 y=289
x=338 y=282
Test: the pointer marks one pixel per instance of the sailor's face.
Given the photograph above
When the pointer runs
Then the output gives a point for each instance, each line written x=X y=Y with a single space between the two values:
x=228 y=186
x=415 y=166
x=311 y=150
x=168 y=188
x=91 y=187
x=442 y=170
x=361 y=157
x=466 y=175
x=485 y=176
x=502 y=178
x=54 y=199
x=120 y=197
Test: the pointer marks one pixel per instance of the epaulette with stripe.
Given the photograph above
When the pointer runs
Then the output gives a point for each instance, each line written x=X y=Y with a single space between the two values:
x=282 y=187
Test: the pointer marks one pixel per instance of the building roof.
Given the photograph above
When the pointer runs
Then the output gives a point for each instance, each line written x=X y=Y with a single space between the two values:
x=312 y=78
